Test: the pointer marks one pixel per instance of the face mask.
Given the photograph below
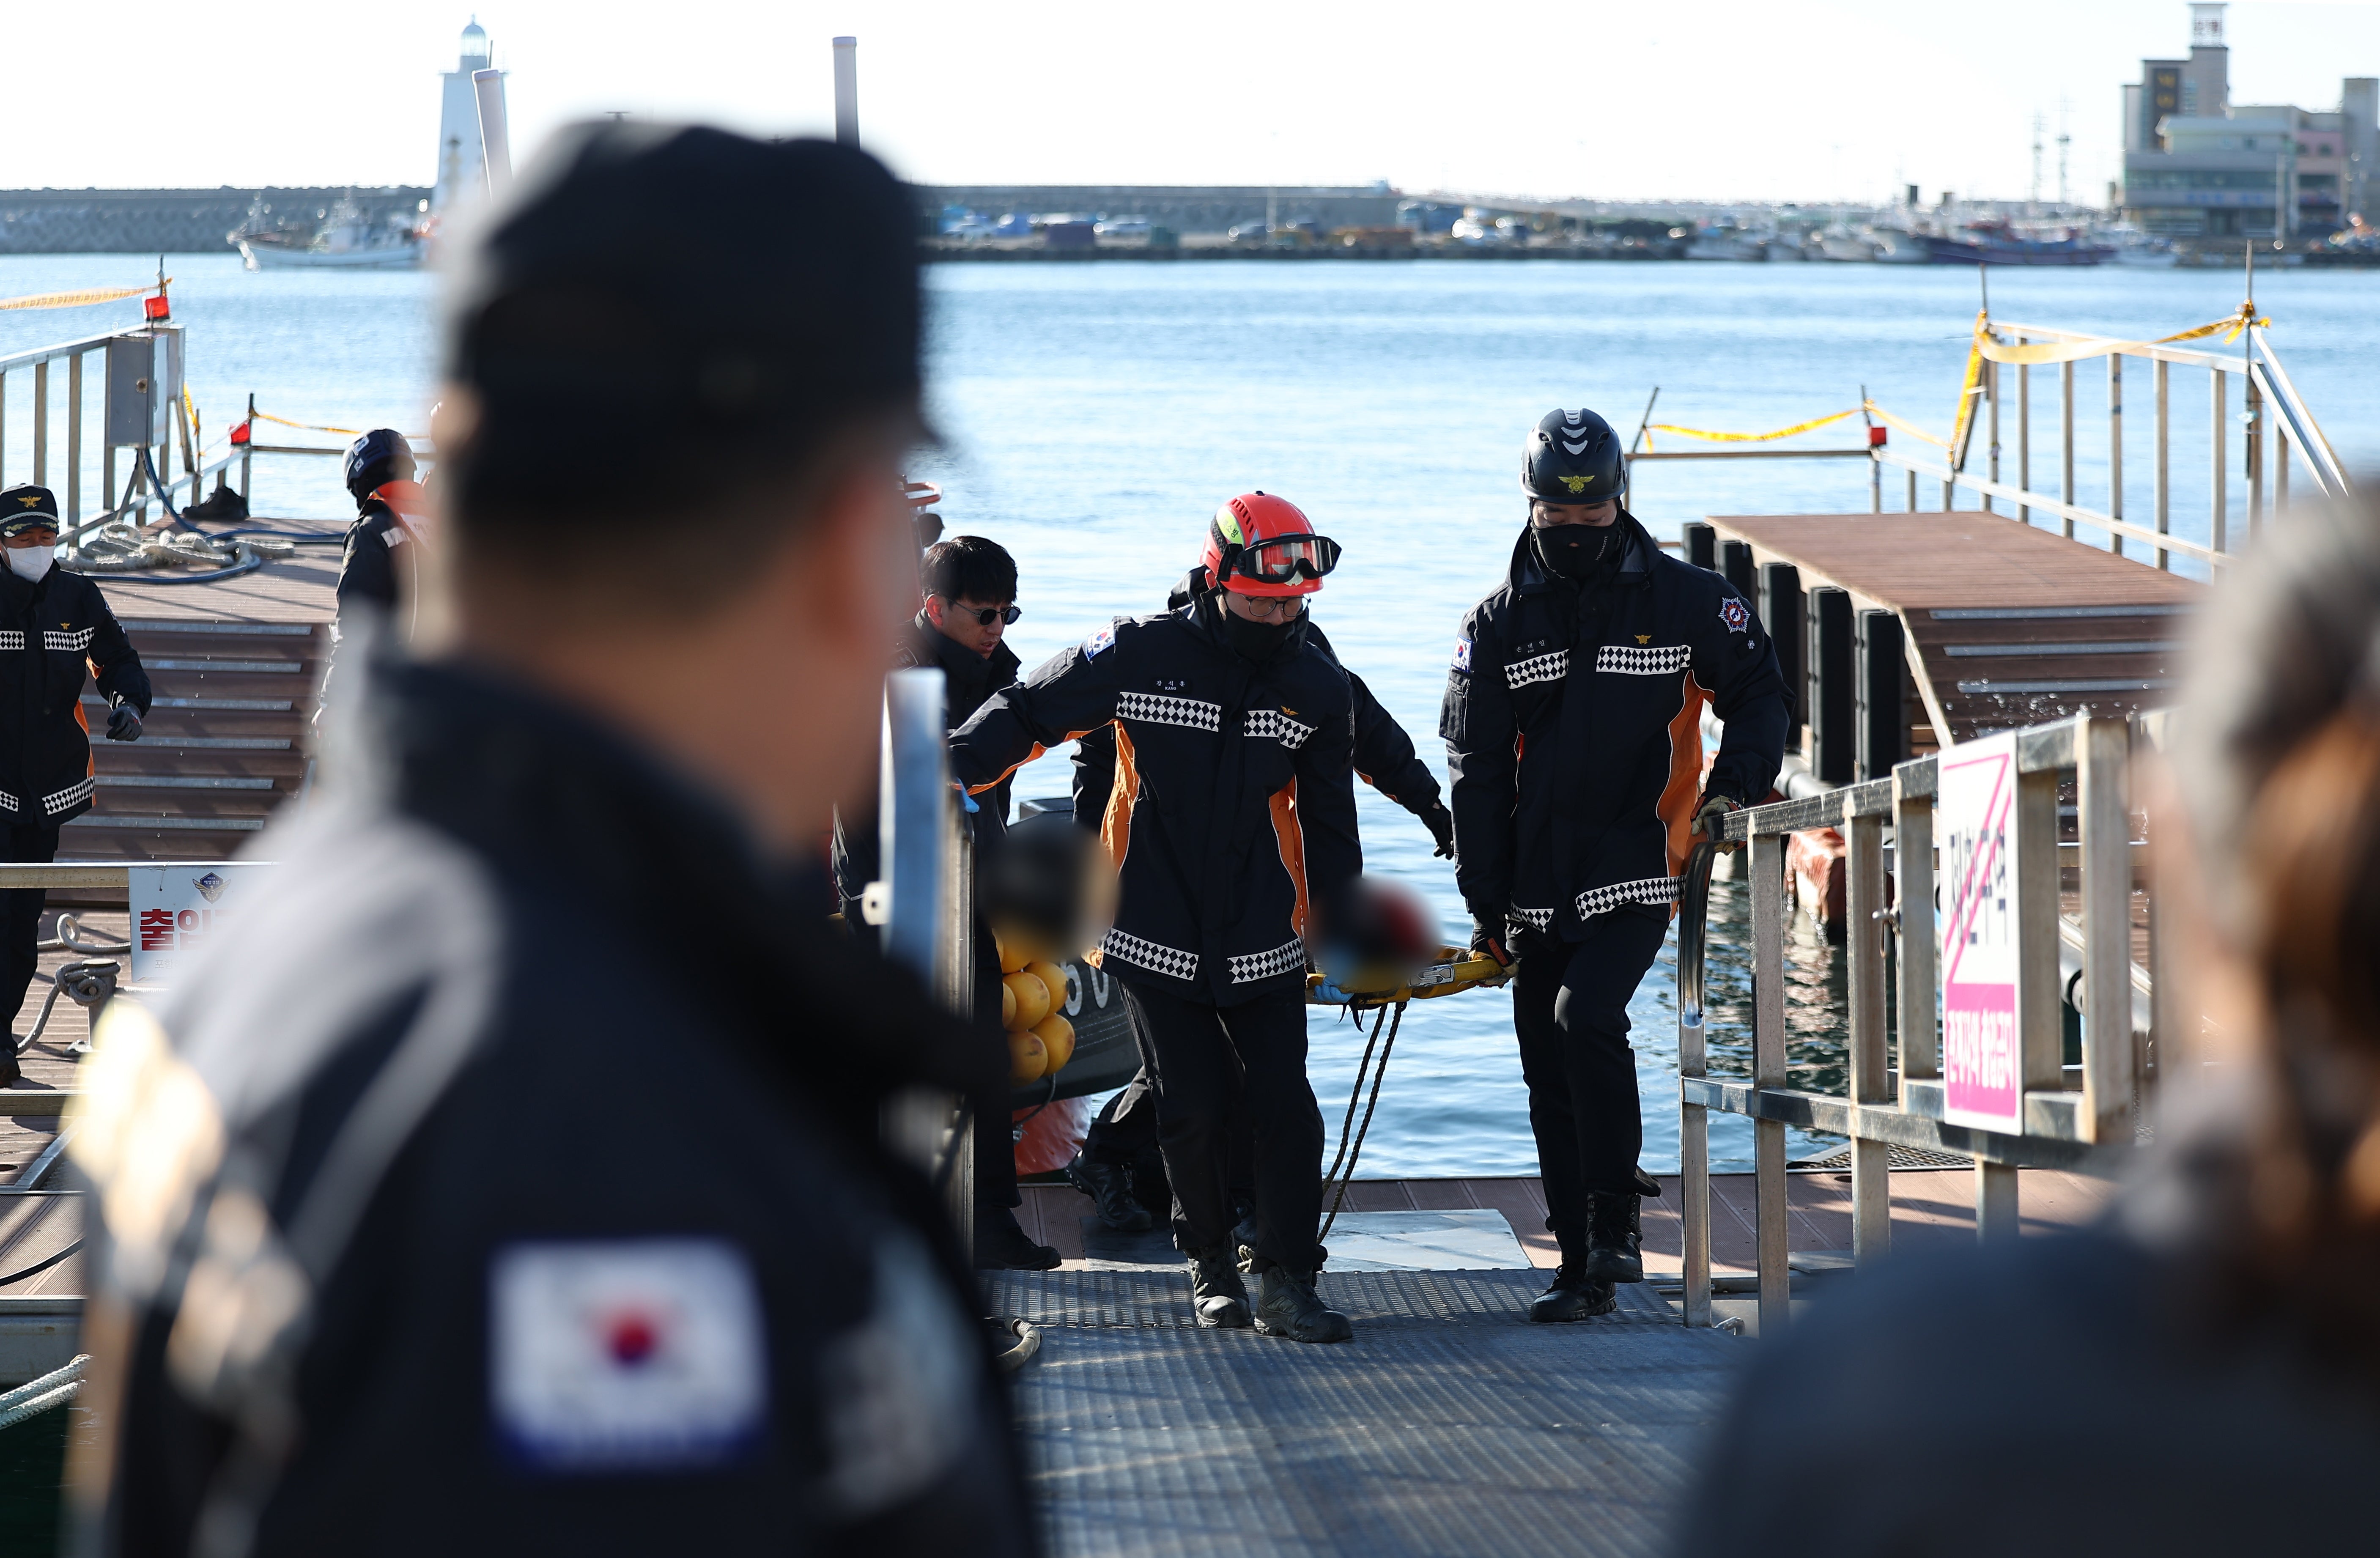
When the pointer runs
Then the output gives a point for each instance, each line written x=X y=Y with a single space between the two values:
x=1577 y=551
x=1259 y=640
x=29 y=563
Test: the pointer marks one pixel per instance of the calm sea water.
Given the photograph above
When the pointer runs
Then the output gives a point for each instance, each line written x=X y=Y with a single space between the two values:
x=1094 y=415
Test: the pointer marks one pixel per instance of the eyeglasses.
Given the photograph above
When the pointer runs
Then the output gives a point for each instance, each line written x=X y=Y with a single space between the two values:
x=1263 y=608
x=985 y=615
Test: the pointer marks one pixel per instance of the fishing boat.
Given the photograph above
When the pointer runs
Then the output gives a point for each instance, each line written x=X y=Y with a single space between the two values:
x=1997 y=243
x=347 y=241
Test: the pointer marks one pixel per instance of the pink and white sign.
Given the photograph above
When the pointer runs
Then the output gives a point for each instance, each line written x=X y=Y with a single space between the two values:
x=1975 y=822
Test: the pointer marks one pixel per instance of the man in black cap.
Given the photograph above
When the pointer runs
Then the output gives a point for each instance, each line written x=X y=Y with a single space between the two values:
x=382 y=564
x=494 y=1215
x=55 y=628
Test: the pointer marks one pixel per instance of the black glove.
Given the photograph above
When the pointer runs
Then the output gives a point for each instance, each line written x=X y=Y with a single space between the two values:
x=123 y=722
x=1711 y=815
x=1488 y=941
x=1440 y=823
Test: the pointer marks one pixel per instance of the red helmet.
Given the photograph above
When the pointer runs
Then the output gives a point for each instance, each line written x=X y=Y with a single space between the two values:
x=1260 y=545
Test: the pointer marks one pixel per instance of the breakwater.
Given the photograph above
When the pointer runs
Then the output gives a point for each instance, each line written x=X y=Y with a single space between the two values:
x=173 y=221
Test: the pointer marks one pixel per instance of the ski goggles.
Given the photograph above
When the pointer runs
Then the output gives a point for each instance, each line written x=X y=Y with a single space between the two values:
x=1284 y=559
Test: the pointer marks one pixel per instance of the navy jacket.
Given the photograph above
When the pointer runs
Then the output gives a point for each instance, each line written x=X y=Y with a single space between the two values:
x=1232 y=815
x=1573 y=722
x=52 y=634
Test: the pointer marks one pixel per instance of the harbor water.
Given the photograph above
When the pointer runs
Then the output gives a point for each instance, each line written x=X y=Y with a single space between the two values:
x=1092 y=416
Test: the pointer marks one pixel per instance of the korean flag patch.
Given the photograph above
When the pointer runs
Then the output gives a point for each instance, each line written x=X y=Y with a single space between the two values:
x=1462 y=655
x=1735 y=614
x=626 y=1355
x=1097 y=643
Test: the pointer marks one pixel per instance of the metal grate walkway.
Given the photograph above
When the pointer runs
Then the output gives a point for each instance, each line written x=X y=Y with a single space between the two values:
x=1450 y=1425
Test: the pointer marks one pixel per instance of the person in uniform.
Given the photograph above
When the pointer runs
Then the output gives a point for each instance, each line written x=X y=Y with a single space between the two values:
x=1232 y=828
x=457 y=1201
x=1573 y=720
x=969 y=588
x=1118 y=1152
x=382 y=564
x=54 y=629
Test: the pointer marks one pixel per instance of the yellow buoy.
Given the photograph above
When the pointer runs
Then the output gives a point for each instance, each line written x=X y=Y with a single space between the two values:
x=1052 y=976
x=1032 y=999
x=1057 y=1036
x=1011 y=960
x=1007 y=1006
x=1028 y=1058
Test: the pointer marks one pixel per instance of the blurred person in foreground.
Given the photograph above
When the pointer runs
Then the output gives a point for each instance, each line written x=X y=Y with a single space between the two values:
x=459 y=1202
x=2199 y=1372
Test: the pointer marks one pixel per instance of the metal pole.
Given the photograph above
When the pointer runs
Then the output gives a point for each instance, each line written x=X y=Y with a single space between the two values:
x=2024 y=433
x=1694 y=1119
x=2116 y=448
x=1875 y=485
x=913 y=840
x=1871 y=1161
x=495 y=137
x=1768 y=872
x=2103 y=750
x=2252 y=431
x=1913 y=491
x=846 y=92
x=2162 y=476
x=1912 y=868
x=247 y=451
x=2280 y=464
x=74 y=438
x=1992 y=406
x=40 y=424
x=2066 y=439
x=2216 y=506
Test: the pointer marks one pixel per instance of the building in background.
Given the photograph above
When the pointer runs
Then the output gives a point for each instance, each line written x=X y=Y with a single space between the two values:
x=2196 y=165
x=462 y=161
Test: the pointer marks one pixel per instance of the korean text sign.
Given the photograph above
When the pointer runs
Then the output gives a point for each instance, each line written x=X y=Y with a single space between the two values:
x=1974 y=818
x=177 y=909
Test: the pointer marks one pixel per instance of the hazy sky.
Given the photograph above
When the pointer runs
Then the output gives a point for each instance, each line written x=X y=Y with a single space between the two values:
x=1723 y=99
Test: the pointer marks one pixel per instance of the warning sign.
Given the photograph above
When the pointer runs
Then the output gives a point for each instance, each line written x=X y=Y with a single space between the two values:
x=179 y=910
x=1975 y=817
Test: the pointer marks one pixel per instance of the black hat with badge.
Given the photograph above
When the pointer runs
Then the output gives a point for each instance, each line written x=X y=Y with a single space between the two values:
x=27 y=507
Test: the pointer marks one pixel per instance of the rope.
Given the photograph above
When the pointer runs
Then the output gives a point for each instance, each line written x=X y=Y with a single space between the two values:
x=1378 y=1077
x=1750 y=437
x=35 y=1397
x=80 y=300
x=39 y=1266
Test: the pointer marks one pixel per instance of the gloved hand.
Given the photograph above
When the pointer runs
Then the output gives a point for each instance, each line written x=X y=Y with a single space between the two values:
x=1488 y=941
x=1711 y=815
x=1440 y=823
x=123 y=722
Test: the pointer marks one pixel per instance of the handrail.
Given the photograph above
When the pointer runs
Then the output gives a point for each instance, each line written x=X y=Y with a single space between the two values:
x=2162 y=540
x=2304 y=430
x=40 y=355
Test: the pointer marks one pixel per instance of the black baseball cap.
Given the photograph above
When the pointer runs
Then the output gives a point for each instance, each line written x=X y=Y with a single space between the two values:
x=27 y=507
x=685 y=310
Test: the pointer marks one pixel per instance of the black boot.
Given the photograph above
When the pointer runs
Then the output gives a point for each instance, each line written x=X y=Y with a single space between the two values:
x=1001 y=1245
x=1109 y=1189
x=1216 y=1291
x=1573 y=1295
x=1287 y=1306
x=1614 y=1237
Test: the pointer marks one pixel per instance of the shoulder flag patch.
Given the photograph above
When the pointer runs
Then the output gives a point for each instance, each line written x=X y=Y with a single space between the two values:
x=1462 y=655
x=1098 y=642
x=1735 y=614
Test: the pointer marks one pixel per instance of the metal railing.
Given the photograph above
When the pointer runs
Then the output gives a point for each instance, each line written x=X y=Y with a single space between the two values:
x=2072 y=1117
x=72 y=353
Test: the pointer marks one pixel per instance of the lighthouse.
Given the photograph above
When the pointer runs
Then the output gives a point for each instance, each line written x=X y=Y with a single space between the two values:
x=462 y=168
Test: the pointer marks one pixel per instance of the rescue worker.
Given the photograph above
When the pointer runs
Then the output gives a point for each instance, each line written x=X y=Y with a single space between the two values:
x=1232 y=827
x=382 y=563
x=1573 y=725
x=413 y=1254
x=54 y=625
x=969 y=589
x=1120 y=1149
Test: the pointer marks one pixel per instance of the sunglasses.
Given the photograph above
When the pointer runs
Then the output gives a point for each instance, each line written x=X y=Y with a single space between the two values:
x=985 y=616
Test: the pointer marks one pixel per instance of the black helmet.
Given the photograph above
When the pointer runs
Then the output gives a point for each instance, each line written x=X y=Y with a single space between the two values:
x=377 y=458
x=1573 y=456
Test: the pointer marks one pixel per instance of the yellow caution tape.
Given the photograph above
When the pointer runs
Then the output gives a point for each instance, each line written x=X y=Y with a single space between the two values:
x=1750 y=437
x=1967 y=387
x=1910 y=428
x=2076 y=351
x=79 y=300
x=307 y=427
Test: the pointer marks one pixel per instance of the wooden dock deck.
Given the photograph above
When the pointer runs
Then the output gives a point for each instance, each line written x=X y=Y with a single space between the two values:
x=2006 y=623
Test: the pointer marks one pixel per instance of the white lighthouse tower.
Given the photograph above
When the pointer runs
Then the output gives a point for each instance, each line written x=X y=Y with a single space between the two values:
x=462 y=165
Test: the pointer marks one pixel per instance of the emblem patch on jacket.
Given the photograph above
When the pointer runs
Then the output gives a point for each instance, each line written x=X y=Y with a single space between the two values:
x=619 y=1354
x=1462 y=655
x=1735 y=614
x=1098 y=642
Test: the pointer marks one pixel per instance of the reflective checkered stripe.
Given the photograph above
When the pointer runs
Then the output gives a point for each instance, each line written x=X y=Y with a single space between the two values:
x=1248 y=968
x=70 y=796
x=9 y=803
x=1536 y=919
x=74 y=643
x=12 y=639
x=1157 y=708
x=1539 y=668
x=1652 y=890
x=1630 y=659
x=1170 y=961
x=1268 y=725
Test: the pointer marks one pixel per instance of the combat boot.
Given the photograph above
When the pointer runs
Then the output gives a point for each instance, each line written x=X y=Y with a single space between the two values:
x=1287 y=1306
x=1216 y=1291
x=1109 y=1189
x=1573 y=1295
x=1615 y=1237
